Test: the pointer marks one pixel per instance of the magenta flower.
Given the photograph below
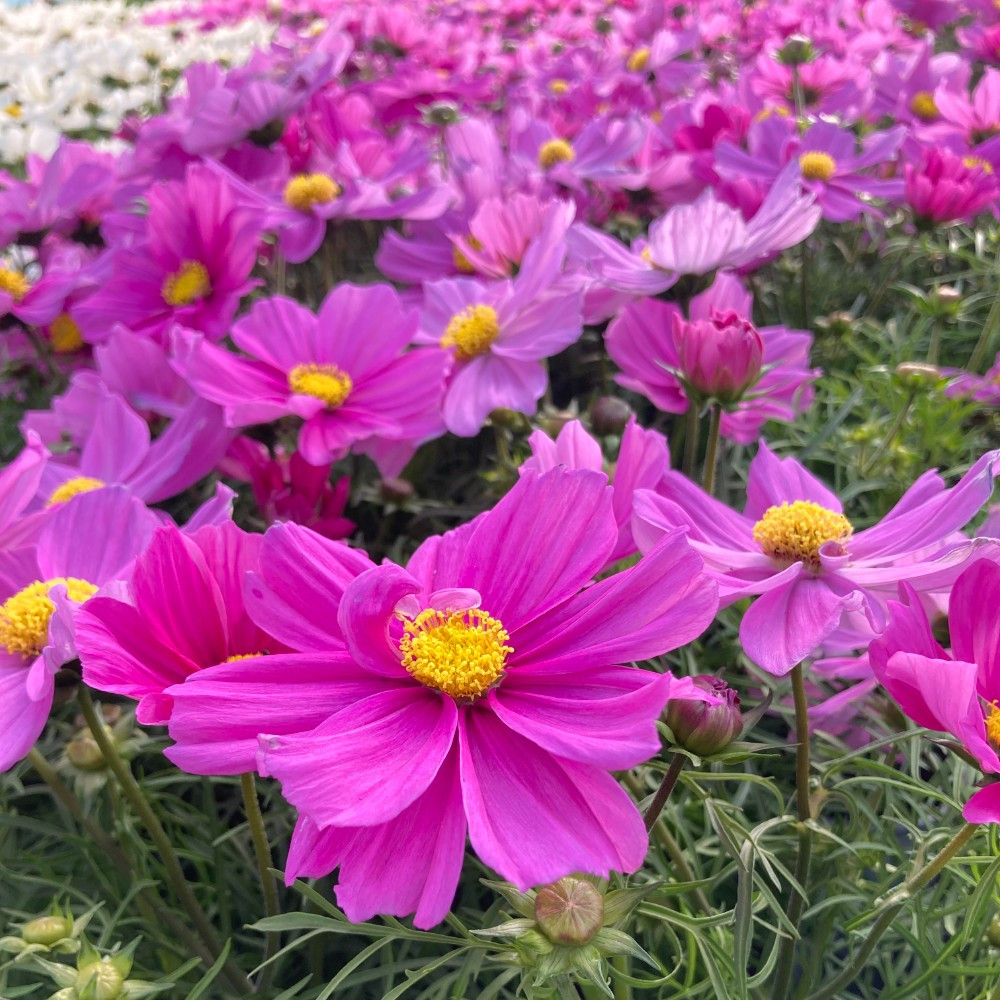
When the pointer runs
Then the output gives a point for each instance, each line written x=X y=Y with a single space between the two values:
x=345 y=371
x=485 y=693
x=33 y=299
x=982 y=388
x=973 y=120
x=945 y=187
x=954 y=692
x=83 y=547
x=191 y=265
x=719 y=357
x=18 y=485
x=794 y=549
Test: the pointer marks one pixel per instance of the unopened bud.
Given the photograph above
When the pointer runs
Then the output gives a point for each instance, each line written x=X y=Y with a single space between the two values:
x=99 y=981
x=609 y=415
x=47 y=930
x=83 y=752
x=916 y=374
x=796 y=51
x=948 y=294
x=701 y=728
x=570 y=911
x=441 y=113
x=993 y=932
x=396 y=490
x=720 y=357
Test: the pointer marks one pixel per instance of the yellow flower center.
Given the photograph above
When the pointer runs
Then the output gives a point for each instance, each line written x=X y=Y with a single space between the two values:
x=72 y=488
x=555 y=151
x=24 y=618
x=462 y=263
x=993 y=724
x=65 y=335
x=326 y=382
x=923 y=106
x=187 y=284
x=304 y=191
x=243 y=656
x=462 y=653
x=973 y=162
x=638 y=61
x=558 y=87
x=13 y=109
x=15 y=284
x=817 y=166
x=471 y=331
x=795 y=532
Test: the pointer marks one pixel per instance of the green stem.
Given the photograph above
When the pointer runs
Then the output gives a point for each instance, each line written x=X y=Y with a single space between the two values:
x=796 y=898
x=171 y=864
x=896 y=902
x=985 y=337
x=692 y=427
x=890 y=436
x=262 y=852
x=712 y=453
x=663 y=792
x=67 y=798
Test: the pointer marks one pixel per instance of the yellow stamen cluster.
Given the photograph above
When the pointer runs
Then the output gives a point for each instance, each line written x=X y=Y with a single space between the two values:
x=462 y=263
x=817 y=166
x=555 y=151
x=993 y=724
x=243 y=656
x=24 y=618
x=326 y=382
x=977 y=162
x=558 y=87
x=462 y=653
x=13 y=110
x=471 y=331
x=65 y=335
x=189 y=283
x=304 y=191
x=795 y=532
x=923 y=106
x=638 y=60
x=73 y=488
x=15 y=284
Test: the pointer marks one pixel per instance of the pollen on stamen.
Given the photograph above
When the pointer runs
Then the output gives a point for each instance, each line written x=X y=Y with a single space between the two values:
x=817 y=166
x=321 y=381
x=462 y=653
x=188 y=284
x=993 y=724
x=558 y=86
x=977 y=163
x=795 y=532
x=24 y=617
x=555 y=151
x=236 y=657
x=638 y=60
x=304 y=191
x=471 y=331
x=15 y=284
x=73 y=488
x=923 y=107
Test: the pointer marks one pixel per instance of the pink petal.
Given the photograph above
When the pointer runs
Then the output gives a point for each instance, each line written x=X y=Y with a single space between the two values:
x=984 y=806
x=774 y=481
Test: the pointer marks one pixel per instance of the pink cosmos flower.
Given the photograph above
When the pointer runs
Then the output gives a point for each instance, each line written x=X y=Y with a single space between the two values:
x=191 y=266
x=982 y=388
x=795 y=551
x=701 y=237
x=31 y=298
x=944 y=187
x=642 y=459
x=483 y=691
x=644 y=342
x=18 y=485
x=972 y=120
x=343 y=371
x=83 y=547
x=954 y=692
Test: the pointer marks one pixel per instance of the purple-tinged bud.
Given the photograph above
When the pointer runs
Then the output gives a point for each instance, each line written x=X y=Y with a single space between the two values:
x=570 y=911
x=609 y=415
x=394 y=490
x=705 y=729
x=719 y=357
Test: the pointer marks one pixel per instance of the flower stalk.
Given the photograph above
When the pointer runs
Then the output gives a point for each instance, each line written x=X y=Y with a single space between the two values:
x=262 y=853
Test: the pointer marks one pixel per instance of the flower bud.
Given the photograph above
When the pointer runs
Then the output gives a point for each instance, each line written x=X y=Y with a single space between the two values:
x=83 y=752
x=609 y=415
x=796 y=51
x=993 y=932
x=99 y=980
x=47 y=930
x=701 y=728
x=441 y=113
x=570 y=911
x=719 y=357
x=394 y=490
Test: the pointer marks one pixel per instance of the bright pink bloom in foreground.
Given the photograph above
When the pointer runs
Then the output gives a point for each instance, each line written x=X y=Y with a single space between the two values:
x=794 y=550
x=343 y=371
x=84 y=545
x=482 y=690
x=953 y=692
x=945 y=187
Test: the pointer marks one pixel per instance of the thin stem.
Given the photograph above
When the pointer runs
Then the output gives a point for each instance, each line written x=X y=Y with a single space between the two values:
x=712 y=453
x=897 y=901
x=804 y=285
x=663 y=792
x=890 y=436
x=986 y=335
x=796 y=898
x=67 y=798
x=171 y=864
x=692 y=427
x=262 y=852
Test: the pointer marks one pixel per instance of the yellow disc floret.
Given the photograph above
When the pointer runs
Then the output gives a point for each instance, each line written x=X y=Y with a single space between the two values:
x=558 y=86
x=73 y=488
x=977 y=163
x=471 y=331
x=189 y=283
x=24 y=618
x=65 y=335
x=462 y=263
x=15 y=284
x=817 y=166
x=923 y=106
x=304 y=191
x=795 y=532
x=462 y=653
x=13 y=110
x=993 y=724
x=638 y=60
x=555 y=151
x=326 y=382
